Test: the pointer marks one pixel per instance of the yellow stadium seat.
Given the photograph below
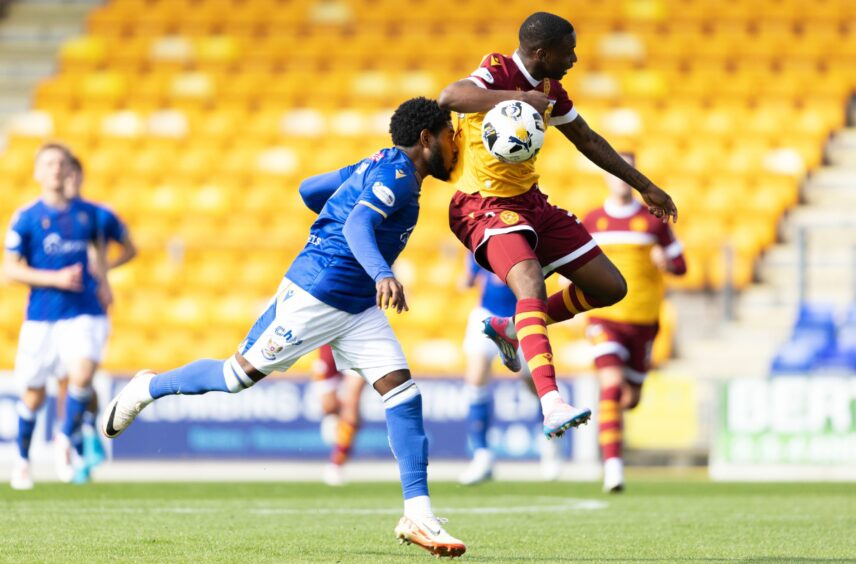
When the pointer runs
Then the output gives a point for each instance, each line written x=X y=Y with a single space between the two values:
x=83 y=54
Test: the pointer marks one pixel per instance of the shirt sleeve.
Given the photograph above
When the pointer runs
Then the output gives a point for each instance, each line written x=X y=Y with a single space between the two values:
x=491 y=74
x=388 y=190
x=17 y=236
x=673 y=248
x=316 y=190
x=359 y=232
x=563 y=108
x=110 y=227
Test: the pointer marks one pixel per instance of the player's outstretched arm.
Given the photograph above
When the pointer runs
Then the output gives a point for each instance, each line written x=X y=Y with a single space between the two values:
x=465 y=97
x=601 y=153
x=15 y=268
x=359 y=232
x=316 y=190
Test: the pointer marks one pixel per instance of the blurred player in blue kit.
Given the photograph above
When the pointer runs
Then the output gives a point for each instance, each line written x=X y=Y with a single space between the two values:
x=497 y=299
x=113 y=230
x=48 y=247
x=334 y=292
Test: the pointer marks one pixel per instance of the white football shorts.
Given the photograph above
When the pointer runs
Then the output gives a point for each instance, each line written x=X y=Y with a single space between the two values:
x=296 y=323
x=47 y=348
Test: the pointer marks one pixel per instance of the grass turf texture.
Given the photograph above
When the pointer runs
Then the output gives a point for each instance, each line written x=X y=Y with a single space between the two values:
x=500 y=522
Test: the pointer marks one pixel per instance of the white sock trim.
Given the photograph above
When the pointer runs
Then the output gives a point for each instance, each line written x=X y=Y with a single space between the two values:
x=24 y=412
x=235 y=377
x=400 y=394
x=418 y=507
x=78 y=393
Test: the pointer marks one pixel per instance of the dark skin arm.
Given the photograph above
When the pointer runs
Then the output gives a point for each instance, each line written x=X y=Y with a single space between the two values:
x=464 y=96
x=601 y=153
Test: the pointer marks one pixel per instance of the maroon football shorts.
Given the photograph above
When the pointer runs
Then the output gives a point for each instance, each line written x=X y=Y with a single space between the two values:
x=627 y=345
x=556 y=237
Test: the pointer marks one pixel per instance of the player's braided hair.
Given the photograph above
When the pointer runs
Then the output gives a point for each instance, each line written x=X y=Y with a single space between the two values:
x=414 y=115
x=542 y=30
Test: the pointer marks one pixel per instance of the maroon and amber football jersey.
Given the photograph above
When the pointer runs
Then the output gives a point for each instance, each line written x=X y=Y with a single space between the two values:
x=478 y=170
x=626 y=234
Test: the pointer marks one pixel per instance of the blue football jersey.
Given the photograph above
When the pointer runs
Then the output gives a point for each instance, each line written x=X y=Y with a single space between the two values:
x=326 y=268
x=52 y=239
x=110 y=226
x=496 y=297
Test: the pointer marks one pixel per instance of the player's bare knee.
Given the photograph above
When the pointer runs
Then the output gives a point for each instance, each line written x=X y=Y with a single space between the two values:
x=526 y=280
x=630 y=397
x=391 y=381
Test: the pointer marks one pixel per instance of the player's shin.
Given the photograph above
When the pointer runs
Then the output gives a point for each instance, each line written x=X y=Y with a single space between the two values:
x=26 y=427
x=200 y=377
x=409 y=445
x=478 y=416
x=610 y=435
x=567 y=303
x=77 y=400
x=530 y=321
x=346 y=431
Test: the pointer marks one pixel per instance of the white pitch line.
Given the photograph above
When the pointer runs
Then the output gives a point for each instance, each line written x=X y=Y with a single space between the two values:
x=568 y=504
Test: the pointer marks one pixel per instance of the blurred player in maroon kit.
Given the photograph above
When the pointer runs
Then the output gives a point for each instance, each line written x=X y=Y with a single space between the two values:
x=643 y=248
x=501 y=215
x=339 y=393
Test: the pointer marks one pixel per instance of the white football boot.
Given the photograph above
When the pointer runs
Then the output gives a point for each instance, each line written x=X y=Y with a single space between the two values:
x=63 y=458
x=613 y=475
x=562 y=417
x=428 y=533
x=21 y=479
x=125 y=407
x=333 y=474
x=480 y=468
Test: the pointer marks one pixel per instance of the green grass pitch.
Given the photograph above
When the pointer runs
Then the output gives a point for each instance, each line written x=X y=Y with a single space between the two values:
x=654 y=521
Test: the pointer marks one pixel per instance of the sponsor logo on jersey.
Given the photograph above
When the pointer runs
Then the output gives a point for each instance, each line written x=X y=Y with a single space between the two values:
x=509 y=217
x=384 y=194
x=399 y=174
x=53 y=245
x=484 y=74
x=13 y=240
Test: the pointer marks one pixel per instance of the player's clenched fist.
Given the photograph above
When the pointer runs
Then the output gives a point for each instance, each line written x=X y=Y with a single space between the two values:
x=390 y=294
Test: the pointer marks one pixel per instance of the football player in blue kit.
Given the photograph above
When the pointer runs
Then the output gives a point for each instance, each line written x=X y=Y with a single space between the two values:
x=335 y=292
x=112 y=230
x=47 y=247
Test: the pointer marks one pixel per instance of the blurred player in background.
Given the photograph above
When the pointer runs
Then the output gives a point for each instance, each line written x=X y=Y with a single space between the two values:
x=643 y=248
x=112 y=230
x=339 y=393
x=48 y=247
x=500 y=214
x=496 y=300
x=333 y=293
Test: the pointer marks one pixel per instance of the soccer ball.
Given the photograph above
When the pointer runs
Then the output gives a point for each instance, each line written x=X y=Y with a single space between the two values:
x=513 y=131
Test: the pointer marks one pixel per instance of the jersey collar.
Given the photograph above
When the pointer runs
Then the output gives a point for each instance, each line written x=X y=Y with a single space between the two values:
x=621 y=211
x=519 y=62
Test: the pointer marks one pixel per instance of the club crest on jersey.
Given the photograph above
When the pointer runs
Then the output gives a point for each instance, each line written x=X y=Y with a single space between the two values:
x=383 y=193
x=509 y=217
x=271 y=349
x=638 y=224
